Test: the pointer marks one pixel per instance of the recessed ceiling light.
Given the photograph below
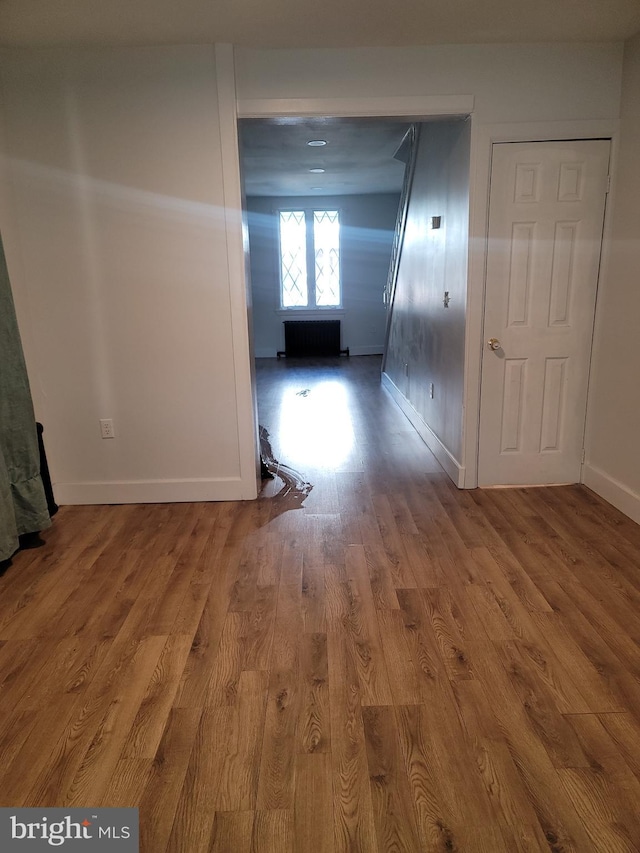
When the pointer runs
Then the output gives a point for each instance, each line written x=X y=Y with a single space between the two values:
x=317 y=143
x=316 y=171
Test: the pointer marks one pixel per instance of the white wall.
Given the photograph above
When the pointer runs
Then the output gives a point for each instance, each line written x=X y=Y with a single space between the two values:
x=367 y=226
x=115 y=218
x=613 y=420
x=116 y=235
x=525 y=82
x=427 y=339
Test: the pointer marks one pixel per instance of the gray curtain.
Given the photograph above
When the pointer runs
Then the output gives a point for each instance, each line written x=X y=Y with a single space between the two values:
x=23 y=505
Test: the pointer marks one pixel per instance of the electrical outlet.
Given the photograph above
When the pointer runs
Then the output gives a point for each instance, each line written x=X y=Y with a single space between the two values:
x=431 y=390
x=106 y=428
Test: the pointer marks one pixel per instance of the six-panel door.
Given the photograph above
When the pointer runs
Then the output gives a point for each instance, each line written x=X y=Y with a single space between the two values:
x=545 y=232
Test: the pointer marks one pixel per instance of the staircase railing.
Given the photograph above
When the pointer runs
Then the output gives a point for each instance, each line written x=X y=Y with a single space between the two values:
x=407 y=154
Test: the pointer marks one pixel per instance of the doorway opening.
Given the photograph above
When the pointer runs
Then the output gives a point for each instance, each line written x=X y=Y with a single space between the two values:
x=322 y=203
x=321 y=198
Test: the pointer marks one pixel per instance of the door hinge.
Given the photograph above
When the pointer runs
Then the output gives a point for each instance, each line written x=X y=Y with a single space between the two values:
x=608 y=189
x=582 y=456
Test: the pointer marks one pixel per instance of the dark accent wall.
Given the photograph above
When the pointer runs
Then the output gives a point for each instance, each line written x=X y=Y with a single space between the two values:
x=427 y=339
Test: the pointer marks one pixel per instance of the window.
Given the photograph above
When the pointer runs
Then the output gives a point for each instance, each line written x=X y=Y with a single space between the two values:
x=310 y=259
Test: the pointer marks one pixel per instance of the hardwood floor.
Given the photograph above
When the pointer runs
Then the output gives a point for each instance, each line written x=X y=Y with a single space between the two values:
x=364 y=659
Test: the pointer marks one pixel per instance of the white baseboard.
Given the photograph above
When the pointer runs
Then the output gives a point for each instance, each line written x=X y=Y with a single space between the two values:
x=377 y=349
x=613 y=491
x=450 y=464
x=153 y=491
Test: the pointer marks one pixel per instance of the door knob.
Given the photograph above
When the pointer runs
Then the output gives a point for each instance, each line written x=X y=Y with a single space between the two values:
x=493 y=344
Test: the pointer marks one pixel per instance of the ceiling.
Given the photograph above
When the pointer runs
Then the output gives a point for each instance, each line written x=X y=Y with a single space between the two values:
x=358 y=156
x=308 y=23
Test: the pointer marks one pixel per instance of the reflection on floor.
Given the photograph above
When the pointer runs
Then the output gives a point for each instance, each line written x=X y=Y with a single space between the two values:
x=331 y=416
x=290 y=483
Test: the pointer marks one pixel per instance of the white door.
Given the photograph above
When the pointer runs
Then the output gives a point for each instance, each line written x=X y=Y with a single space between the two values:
x=545 y=231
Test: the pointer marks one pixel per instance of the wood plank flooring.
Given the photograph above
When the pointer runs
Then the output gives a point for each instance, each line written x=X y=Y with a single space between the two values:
x=378 y=663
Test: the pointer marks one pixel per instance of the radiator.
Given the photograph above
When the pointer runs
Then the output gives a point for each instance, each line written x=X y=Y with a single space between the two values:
x=312 y=338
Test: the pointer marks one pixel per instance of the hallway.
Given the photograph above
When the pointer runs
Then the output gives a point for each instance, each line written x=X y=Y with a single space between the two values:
x=332 y=420
x=364 y=659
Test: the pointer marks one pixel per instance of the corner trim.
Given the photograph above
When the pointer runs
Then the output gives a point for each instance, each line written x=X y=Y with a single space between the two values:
x=241 y=361
x=613 y=491
x=450 y=464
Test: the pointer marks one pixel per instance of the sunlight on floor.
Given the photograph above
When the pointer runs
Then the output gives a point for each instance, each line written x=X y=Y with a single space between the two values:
x=315 y=427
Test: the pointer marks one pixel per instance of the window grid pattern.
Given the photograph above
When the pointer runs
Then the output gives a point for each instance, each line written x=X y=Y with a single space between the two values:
x=293 y=258
x=310 y=258
x=326 y=241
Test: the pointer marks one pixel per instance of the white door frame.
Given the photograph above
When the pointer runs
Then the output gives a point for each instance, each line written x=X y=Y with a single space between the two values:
x=240 y=298
x=483 y=137
x=411 y=108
